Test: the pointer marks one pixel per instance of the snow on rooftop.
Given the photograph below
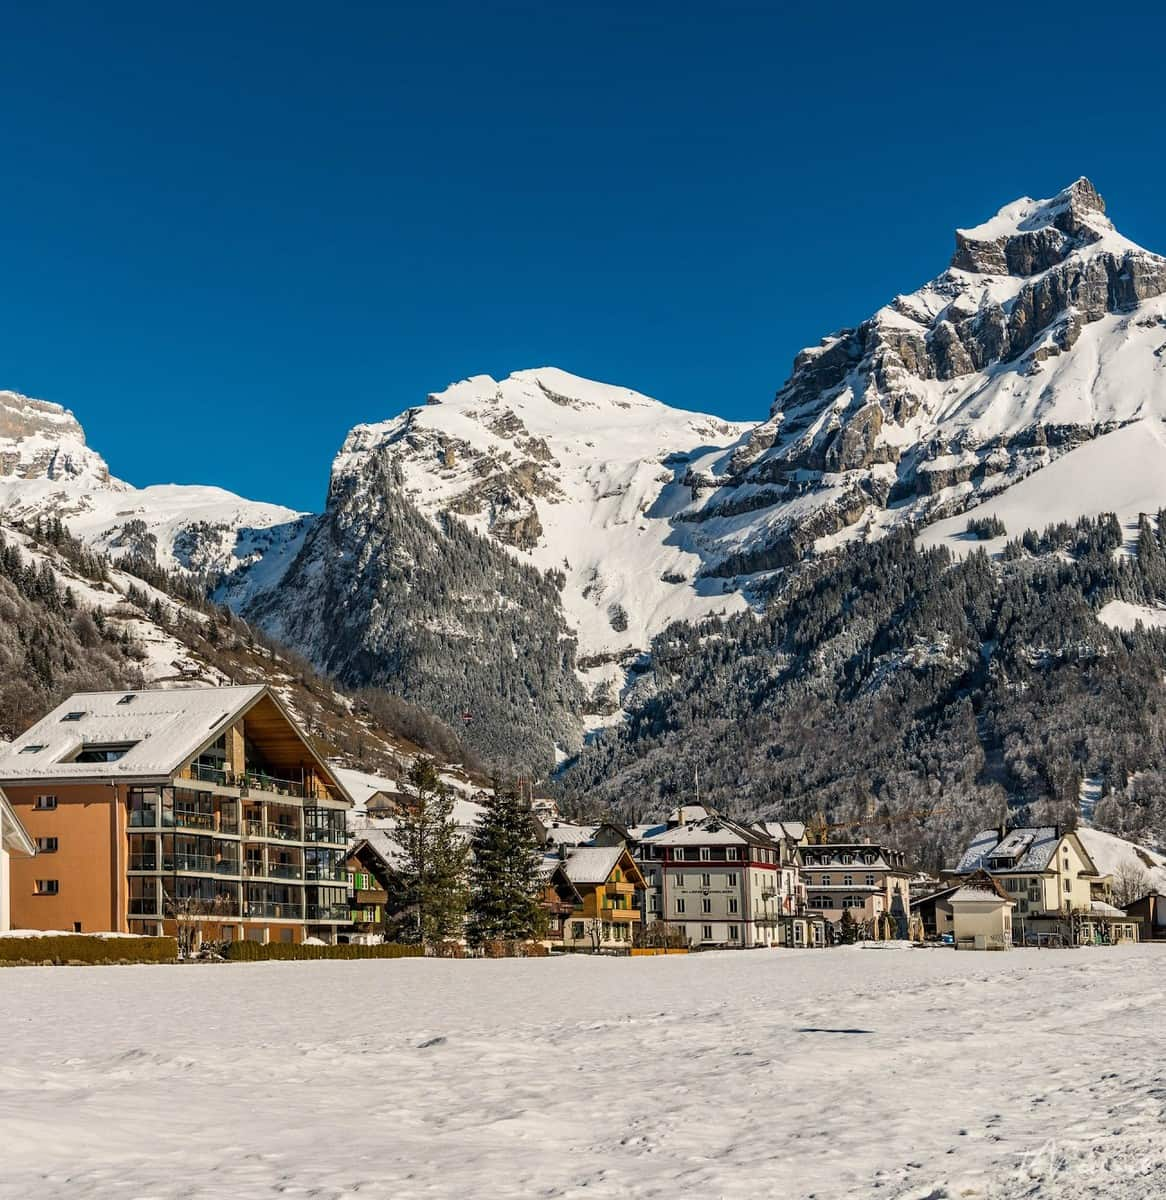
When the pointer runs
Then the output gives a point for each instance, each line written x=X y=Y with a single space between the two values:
x=1025 y=849
x=159 y=729
x=591 y=864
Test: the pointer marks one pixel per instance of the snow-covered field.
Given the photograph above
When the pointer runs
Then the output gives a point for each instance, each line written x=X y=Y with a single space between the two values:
x=846 y=1073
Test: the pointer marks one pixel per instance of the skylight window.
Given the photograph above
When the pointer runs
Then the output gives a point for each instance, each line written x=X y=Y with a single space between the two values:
x=72 y=716
x=108 y=753
x=35 y=748
x=128 y=699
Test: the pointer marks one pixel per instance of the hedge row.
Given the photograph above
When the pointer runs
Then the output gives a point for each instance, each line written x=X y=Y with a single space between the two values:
x=82 y=948
x=288 y=951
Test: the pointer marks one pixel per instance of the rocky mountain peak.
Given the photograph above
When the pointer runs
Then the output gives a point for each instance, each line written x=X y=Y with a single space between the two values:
x=40 y=440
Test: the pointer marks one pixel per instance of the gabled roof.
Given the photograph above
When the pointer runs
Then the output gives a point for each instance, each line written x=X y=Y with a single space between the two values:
x=162 y=729
x=980 y=886
x=13 y=836
x=165 y=726
x=793 y=831
x=592 y=864
x=1028 y=849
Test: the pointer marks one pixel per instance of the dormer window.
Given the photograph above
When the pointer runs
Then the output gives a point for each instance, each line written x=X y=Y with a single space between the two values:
x=72 y=716
x=108 y=753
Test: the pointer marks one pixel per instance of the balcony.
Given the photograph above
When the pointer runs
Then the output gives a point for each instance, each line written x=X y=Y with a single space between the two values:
x=205 y=864
x=272 y=908
x=329 y=912
x=284 y=871
x=614 y=912
x=260 y=781
x=283 y=832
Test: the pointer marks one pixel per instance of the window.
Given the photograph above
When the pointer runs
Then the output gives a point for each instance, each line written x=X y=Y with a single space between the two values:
x=706 y=933
x=653 y=903
x=577 y=932
x=76 y=926
x=1068 y=885
x=109 y=753
x=825 y=881
x=732 y=877
x=45 y=803
x=679 y=906
x=706 y=881
x=731 y=854
x=129 y=699
x=47 y=887
x=732 y=904
x=679 y=854
x=848 y=881
x=847 y=859
x=870 y=881
x=72 y=716
x=679 y=880
x=46 y=845
x=705 y=854
x=706 y=906
x=734 y=933
x=33 y=748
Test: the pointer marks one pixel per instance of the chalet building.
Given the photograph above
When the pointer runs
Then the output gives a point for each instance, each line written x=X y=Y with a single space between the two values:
x=869 y=881
x=149 y=806
x=368 y=875
x=722 y=882
x=14 y=840
x=590 y=899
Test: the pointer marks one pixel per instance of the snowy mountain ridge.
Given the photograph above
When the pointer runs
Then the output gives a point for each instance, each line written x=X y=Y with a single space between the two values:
x=48 y=470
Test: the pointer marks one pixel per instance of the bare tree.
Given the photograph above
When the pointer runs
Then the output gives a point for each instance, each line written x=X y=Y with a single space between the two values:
x=191 y=915
x=1130 y=883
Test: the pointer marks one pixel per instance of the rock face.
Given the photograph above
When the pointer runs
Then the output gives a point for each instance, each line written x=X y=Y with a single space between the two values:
x=1046 y=319
x=44 y=441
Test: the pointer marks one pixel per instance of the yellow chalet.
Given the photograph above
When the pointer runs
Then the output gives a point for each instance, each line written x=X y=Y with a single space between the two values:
x=592 y=890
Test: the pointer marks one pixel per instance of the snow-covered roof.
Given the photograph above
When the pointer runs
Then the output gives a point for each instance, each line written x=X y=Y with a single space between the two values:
x=1099 y=908
x=13 y=836
x=792 y=831
x=362 y=787
x=384 y=844
x=831 y=854
x=592 y=864
x=567 y=833
x=163 y=728
x=1024 y=849
x=714 y=833
x=967 y=893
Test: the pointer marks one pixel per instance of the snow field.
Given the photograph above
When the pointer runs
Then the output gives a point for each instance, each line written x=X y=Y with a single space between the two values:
x=904 y=1074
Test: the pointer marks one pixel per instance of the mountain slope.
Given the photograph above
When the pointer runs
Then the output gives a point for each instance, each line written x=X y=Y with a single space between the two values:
x=47 y=470
x=573 y=476
x=1048 y=329
x=379 y=595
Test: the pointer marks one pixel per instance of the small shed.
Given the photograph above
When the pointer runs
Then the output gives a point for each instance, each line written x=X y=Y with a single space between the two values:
x=981 y=913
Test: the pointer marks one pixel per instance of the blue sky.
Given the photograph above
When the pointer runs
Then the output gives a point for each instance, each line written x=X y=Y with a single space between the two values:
x=233 y=231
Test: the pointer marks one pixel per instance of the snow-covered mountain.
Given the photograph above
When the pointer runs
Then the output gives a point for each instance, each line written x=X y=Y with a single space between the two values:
x=1046 y=332
x=573 y=476
x=47 y=470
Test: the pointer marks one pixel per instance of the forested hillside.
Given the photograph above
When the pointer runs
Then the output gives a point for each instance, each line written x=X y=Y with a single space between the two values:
x=381 y=597
x=919 y=693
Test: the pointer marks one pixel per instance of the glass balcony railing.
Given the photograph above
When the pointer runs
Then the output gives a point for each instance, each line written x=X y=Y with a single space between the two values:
x=329 y=912
x=273 y=908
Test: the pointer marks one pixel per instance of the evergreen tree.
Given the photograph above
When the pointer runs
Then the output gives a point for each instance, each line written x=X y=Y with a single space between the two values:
x=431 y=895
x=505 y=876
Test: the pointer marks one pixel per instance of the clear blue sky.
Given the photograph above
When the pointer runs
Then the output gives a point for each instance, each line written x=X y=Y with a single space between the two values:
x=232 y=231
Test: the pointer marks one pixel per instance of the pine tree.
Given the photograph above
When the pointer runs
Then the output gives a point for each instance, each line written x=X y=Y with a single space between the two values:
x=505 y=876
x=431 y=893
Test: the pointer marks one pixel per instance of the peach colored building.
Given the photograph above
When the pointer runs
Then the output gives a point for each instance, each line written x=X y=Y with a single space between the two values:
x=165 y=806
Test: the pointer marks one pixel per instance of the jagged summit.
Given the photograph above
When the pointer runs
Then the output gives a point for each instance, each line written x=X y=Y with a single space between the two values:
x=1046 y=330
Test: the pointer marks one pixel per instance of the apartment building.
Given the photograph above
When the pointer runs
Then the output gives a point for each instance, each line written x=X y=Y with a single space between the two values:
x=869 y=881
x=158 y=806
x=590 y=898
x=722 y=882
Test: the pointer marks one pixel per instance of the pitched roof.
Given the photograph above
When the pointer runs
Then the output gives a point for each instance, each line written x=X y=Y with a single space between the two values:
x=713 y=831
x=592 y=864
x=163 y=728
x=980 y=886
x=1027 y=848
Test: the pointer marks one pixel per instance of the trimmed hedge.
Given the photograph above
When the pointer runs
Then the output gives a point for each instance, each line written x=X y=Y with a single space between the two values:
x=295 y=951
x=72 y=948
